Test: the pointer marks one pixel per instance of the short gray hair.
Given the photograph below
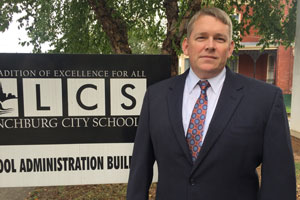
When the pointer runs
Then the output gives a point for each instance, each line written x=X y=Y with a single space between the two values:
x=214 y=12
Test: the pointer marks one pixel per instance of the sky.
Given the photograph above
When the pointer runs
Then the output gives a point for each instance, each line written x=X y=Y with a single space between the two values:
x=9 y=40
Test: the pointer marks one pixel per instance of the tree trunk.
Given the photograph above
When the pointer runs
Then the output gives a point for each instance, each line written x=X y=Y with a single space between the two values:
x=114 y=27
x=171 y=7
x=176 y=29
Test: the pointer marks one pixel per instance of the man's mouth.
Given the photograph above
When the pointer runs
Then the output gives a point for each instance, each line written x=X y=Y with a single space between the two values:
x=209 y=57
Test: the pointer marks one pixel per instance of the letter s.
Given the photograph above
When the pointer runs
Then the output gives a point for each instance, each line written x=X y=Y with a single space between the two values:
x=125 y=94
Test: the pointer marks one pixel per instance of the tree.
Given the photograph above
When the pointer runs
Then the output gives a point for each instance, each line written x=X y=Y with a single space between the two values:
x=134 y=26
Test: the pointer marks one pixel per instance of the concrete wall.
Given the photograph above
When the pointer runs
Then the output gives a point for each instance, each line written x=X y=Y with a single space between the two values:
x=295 y=112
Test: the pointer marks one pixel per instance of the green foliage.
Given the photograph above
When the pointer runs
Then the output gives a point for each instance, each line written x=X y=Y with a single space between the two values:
x=71 y=26
x=289 y=25
x=269 y=19
x=146 y=23
x=6 y=13
x=67 y=26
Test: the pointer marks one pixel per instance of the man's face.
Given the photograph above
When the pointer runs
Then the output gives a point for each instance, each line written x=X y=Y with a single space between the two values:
x=208 y=46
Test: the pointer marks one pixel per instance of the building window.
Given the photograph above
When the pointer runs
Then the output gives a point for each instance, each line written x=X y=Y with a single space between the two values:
x=271 y=69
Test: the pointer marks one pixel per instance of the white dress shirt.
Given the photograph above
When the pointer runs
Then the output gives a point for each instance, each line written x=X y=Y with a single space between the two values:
x=192 y=92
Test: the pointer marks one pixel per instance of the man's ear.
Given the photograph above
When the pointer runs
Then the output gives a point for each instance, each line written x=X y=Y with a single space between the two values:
x=231 y=48
x=184 y=47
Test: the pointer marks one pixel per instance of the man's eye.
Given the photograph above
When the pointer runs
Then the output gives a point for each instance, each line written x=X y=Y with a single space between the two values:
x=220 y=39
x=200 y=38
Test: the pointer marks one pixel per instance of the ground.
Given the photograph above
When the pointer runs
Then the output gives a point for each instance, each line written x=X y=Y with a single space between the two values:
x=118 y=191
x=296 y=148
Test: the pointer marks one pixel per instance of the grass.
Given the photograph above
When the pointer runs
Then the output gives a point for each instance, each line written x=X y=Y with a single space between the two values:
x=288 y=109
x=297 y=167
x=84 y=192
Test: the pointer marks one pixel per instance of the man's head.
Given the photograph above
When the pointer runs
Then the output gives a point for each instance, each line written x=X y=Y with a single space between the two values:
x=208 y=43
x=214 y=12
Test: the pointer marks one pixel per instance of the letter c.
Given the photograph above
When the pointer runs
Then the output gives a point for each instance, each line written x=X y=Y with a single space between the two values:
x=78 y=97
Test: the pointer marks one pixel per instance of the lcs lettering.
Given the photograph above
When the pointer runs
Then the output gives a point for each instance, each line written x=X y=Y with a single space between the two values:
x=78 y=97
x=85 y=97
x=125 y=94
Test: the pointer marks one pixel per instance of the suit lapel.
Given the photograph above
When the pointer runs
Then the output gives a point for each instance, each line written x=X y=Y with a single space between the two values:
x=175 y=97
x=229 y=99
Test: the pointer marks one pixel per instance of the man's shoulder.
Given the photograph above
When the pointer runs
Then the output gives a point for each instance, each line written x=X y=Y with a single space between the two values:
x=166 y=84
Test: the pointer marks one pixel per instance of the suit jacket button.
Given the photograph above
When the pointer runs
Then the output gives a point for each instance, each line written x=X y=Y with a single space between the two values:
x=192 y=181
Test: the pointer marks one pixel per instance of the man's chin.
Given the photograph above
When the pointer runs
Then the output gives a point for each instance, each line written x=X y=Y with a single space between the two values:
x=207 y=67
x=207 y=71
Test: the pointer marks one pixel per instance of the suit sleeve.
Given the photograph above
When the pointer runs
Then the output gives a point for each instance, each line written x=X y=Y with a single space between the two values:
x=278 y=170
x=141 y=171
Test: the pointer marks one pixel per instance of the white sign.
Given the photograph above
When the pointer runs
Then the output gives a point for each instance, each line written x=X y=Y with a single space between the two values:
x=72 y=164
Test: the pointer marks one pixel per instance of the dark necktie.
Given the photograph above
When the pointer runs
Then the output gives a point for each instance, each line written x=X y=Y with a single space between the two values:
x=196 y=126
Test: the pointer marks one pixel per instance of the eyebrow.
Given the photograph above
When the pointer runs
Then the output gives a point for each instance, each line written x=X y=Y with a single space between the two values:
x=216 y=35
x=221 y=35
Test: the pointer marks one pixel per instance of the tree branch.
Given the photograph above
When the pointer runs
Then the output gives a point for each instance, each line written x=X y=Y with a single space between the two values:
x=112 y=25
x=195 y=6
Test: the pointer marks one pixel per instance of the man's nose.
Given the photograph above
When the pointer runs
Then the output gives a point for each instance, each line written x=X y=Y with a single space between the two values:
x=210 y=44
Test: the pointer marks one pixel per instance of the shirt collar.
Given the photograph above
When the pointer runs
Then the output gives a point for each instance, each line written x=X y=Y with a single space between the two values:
x=216 y=82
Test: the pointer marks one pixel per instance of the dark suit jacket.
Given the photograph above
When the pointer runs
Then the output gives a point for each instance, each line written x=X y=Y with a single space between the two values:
x=249 y=127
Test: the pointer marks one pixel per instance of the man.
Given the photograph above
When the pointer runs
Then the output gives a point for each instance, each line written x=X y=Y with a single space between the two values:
x=209 y=150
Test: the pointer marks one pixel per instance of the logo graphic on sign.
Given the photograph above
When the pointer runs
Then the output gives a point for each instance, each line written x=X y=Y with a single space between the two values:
x=8 y=98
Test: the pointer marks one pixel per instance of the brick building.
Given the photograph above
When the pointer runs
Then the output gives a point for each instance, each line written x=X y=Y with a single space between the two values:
x=273 y=65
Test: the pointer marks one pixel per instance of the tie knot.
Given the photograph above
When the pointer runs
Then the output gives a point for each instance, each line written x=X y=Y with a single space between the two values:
x=204 y=84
